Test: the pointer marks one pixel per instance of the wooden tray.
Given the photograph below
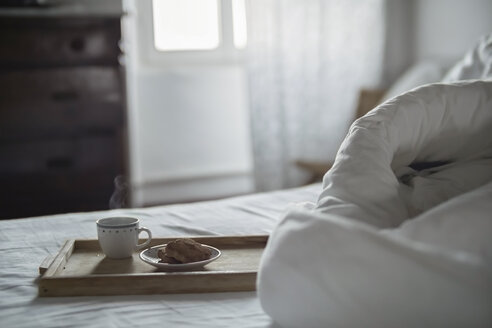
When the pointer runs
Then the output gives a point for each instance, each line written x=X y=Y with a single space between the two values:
x=81 y=269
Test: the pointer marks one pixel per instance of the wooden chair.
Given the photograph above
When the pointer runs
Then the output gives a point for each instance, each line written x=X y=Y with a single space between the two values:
x=368 y=99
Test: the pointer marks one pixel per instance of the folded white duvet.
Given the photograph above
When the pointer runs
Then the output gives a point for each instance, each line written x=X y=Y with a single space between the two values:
x=402 y=232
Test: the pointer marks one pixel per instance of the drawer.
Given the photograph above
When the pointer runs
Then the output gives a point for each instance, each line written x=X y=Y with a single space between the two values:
x=60 y=85
x=59 y=120
x=45 y=184
x=59 y=41
x=55 y=192
x=72 y=155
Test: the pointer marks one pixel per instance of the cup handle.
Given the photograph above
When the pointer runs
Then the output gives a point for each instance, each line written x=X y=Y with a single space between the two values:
x=139 y=246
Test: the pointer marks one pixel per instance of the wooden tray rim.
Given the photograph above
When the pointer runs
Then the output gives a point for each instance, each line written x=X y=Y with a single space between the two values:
x=49 y=275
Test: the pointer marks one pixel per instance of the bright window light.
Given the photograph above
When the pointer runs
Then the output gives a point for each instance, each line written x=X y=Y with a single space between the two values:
x=186 y=24
x=239 y=21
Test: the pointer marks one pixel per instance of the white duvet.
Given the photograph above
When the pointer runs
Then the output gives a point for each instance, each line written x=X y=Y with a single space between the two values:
x=401 y=235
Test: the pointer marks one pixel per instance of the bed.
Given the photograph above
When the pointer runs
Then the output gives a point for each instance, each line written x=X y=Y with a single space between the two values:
x=381 y=243
x=26 y=242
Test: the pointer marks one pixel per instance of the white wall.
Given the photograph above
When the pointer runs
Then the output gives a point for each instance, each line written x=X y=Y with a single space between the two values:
x=189 y=130
x=445 y=29
x=189 y=124
x=193 y=126
x=432 y=30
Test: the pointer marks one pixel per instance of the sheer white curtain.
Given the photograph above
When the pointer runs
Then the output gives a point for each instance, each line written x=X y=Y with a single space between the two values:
x=307 y=60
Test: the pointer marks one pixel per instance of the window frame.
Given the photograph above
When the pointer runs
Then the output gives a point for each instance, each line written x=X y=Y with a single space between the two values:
x=225 y=53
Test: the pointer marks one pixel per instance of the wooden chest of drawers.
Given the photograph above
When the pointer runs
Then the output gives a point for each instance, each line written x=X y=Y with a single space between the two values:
x=62 y=113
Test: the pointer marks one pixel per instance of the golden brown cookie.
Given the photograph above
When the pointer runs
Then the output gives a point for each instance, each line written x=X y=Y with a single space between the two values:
x=186 y=250
x=161 y=253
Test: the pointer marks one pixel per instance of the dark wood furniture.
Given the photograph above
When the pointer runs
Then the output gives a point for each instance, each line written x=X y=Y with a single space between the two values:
x=62 y=110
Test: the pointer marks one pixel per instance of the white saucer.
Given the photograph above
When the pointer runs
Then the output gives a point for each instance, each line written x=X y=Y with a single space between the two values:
x=150 y=256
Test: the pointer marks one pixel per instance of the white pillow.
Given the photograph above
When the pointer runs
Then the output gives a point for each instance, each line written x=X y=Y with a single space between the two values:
x=476 y=64
x=419 y=74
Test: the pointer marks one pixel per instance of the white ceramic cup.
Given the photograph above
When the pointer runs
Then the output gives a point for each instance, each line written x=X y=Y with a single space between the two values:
x=118 y=236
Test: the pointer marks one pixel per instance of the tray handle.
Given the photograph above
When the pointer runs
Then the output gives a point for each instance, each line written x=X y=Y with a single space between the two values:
x=45 y=264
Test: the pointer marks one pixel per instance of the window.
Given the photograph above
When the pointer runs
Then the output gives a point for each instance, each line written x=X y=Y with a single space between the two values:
x=239 y=24
x=188 y=25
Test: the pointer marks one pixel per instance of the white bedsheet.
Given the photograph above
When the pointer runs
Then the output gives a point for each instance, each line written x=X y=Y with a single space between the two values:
x=24 y=243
